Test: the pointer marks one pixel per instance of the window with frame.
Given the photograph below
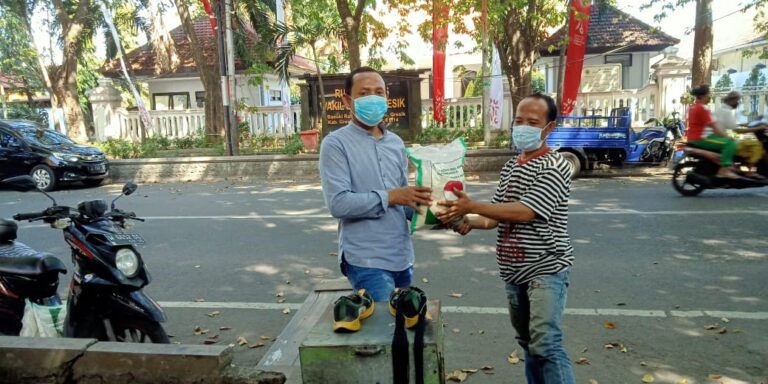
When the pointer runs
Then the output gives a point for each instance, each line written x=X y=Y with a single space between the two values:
x=6 y=139
x=625 y=60
x=200 y=99
x=275 y=95
x=170 y=101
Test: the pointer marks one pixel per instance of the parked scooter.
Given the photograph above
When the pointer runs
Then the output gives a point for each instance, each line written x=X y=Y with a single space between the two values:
x=697 y=168
x=25 y=274
x=105 y=300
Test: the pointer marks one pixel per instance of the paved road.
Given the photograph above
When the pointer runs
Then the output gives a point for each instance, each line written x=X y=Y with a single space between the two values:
x=658 y=266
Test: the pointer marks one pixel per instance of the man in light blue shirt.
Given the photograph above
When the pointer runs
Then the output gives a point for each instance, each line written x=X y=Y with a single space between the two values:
x=364 y=173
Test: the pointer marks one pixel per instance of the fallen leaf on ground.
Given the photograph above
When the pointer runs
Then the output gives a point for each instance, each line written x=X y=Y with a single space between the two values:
x=648 y=378
x=241 y=341
x=621 y=304
x=584 y=350
x=457 y=376
x=722 y=331
x=643 y=363
x=256 y=345
x=200 y=331
x=714 y=376
x=197 y=266
x=456 y=330
x=332 y=254
x=725 y=320
x=481 y=332
x=225 y=328
x=199 y=300
x=306 y=272
x=210 y=341
x=513 y=358
x=264 y=337
x=593 y=381
x=623 y=349
x=582 y=361
x=469 y=370
x=682 y=381
x=612 y=345
x=288 y=282
x=609 y=325
x=214 y=337
x=214 y=314
x=737 y=330
x=286 y=311
x=425 y=280
x=710 y=327
x=280 y=301
x=231 y=345
x=280 y=294
x=486 y=368
x=456 y=295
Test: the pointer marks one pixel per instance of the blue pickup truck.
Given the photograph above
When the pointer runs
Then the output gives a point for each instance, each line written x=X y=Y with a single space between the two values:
x=586 y=141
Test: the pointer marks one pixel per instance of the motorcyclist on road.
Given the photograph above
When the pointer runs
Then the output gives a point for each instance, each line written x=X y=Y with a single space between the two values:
x=703 y=132
x=751 y=150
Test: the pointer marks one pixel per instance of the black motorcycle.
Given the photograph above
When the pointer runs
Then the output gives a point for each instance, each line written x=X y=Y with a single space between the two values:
x=697 y=168
x=105 y=300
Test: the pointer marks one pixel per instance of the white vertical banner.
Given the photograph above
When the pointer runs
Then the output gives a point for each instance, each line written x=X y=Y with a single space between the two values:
x=496 y=100
x=285 y=91
x=143 y=113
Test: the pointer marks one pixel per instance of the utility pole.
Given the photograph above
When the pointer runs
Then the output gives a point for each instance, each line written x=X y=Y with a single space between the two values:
x=224 y=80
x=2 y=96
x=485 y=78
x=234 y=129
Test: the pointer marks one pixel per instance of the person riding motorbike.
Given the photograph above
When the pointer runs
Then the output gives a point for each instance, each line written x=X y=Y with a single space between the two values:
x=750 y=150
x=703 y=132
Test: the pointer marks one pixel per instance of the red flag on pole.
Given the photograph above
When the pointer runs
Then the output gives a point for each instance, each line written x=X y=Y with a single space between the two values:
x=577 y=44
x=209 y=12
x=439 y=42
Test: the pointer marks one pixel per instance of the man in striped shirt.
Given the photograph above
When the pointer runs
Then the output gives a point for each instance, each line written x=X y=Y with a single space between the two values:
x=533 y=249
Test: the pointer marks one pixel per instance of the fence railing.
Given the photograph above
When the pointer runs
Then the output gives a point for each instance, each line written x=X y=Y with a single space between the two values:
x=190 y=122
x=641 y=102
x=464 y=113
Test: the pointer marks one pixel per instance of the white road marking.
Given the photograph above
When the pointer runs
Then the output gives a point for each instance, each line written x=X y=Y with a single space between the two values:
x=493 y=310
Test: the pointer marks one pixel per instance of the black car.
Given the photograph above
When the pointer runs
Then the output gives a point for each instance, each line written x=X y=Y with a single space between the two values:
x=49 y=157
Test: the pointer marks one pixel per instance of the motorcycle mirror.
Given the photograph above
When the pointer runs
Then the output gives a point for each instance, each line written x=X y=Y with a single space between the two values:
x=24 y=184
x=129 y=188
x=20 y=183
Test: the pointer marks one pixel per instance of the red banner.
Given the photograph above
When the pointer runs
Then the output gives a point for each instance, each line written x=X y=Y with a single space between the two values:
x=209 y=12
x=439 y=42
x=577 y=44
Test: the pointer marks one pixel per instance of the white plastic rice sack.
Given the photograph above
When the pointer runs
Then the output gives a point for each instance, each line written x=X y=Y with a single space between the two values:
x=440 y=167
x=43 y=320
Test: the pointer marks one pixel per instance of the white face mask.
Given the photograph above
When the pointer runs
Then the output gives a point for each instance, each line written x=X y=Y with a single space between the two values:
x=526 y=138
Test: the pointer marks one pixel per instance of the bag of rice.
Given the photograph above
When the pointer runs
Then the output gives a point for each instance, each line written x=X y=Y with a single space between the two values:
x=440 y=167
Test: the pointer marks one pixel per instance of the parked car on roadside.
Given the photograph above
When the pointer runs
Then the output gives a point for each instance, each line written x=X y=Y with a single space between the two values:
x=51 y=158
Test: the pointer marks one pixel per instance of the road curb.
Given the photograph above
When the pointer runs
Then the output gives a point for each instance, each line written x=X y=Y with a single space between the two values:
x=63 y=360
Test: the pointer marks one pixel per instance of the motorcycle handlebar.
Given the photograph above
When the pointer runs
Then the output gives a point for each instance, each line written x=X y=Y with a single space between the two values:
x=28 y=216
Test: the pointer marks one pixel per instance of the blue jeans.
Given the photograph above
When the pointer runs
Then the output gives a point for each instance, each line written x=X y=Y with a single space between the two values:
x=536 y=309
x=378 y=282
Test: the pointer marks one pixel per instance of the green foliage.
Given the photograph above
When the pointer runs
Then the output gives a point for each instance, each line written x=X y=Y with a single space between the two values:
x=23 y=111
x=437 y=135
x=293 y=145
x=501 y=140
x=538 y=82
x=724 y=81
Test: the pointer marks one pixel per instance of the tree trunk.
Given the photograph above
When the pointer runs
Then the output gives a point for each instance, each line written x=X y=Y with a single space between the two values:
x=65 y=84
x=517 y=48
x=350 y=20
x=210 y=75
x=702 y=44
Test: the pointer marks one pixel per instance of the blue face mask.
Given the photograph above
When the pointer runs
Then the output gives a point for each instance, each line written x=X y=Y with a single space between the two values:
x=370 y=110
x=526 y=137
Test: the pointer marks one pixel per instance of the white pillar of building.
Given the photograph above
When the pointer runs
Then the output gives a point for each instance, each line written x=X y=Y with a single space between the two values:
x=105 y=100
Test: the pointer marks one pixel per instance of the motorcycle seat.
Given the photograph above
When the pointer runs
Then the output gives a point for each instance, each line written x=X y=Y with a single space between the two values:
x=697 y=151
x=31 y=265
x=7 y=230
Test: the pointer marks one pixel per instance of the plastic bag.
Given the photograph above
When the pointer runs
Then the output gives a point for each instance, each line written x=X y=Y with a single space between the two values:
x=43 y=320
x=440 y=167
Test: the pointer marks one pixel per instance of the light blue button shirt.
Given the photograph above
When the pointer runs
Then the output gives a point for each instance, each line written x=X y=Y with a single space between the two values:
x=357 y=170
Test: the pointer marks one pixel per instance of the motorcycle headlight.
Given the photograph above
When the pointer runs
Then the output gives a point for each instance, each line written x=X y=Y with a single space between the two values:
x=127 y=262
x=67 y=157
